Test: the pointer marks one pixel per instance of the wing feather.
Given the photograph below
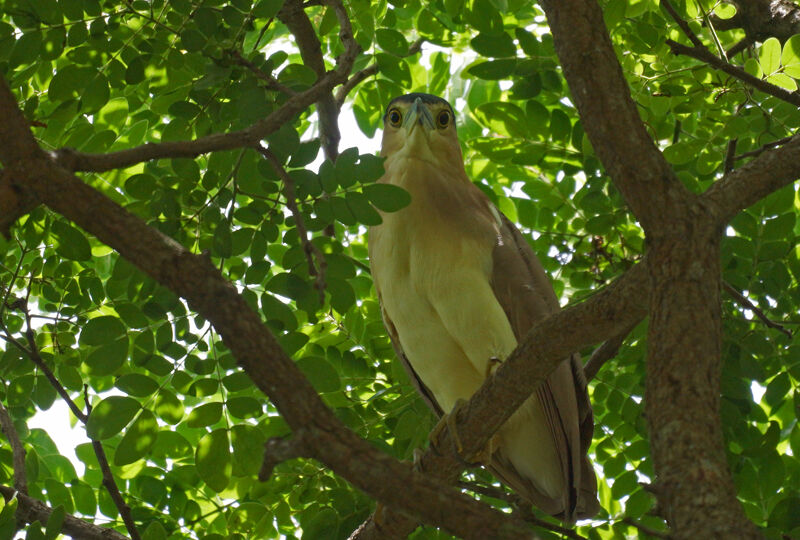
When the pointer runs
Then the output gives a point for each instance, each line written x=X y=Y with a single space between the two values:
x=526 y=295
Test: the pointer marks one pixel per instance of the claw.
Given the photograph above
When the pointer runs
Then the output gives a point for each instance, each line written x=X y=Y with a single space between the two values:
x=482 y=457
x=491 y=367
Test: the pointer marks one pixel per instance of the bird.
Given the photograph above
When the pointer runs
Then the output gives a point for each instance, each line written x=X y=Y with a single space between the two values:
x=459 y=287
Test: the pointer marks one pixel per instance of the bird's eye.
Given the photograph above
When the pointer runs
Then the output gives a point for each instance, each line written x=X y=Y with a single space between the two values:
x=443 y=120
x=395 y=117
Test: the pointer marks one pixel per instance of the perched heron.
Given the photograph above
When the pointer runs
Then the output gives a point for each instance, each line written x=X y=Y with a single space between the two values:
x=458 y=287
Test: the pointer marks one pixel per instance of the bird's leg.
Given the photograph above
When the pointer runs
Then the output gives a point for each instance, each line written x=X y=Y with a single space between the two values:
x=482 y=457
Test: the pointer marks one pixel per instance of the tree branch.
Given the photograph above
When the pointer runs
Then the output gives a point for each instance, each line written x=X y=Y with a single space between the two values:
x=745 y=186
x=745 y=302
x=669 y=8
x=704 y=55
x=761 y=19
x=30 y=510
x=312 y=252
x=293 y=15
x=17 y=450
x=605 y=352
x=764 y=148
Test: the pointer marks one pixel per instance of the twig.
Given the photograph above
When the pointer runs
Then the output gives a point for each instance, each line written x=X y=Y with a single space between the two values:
x=739 y=47
x=761 y=150
x=605 y=352
x=704 y=55
x=743 y=301
x=730 y=156
x=17 y=450
x=369 y=71
x=4 y=304
x=108 y=479
x=311 y=251
x=683 y=24
x=271 y=81
x=521 y=507
x=644 y=528
x=30 y=510
x=33 y=354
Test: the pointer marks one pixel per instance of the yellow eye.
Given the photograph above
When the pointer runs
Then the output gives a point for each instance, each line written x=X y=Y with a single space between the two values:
x=395 y=117
x=443 y=120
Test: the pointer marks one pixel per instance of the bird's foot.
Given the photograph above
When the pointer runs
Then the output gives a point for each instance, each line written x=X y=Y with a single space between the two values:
x=448 y=421
x=492 y=365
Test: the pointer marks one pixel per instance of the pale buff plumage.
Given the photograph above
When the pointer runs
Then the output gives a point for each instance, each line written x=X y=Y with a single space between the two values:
x=458 y=287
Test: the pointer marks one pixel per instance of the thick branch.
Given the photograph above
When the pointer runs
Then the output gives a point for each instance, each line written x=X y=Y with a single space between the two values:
x=696 y=491
x=761 y=19
x=30 y=510
x=609 y=114
x=703 y=54
x=294 y=17
x=748 y=184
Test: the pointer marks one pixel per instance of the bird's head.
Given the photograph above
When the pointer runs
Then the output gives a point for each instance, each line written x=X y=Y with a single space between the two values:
x=421 y=126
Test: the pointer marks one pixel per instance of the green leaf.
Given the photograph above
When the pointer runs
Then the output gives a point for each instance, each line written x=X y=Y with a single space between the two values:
x=102 y=330
x=168 y=407
x=790 y=57
x=503 y=118
x=394 y=68
x=110 y=416
x=26 y=49
x=362 y=209
x=69 y=82
x=391 y=41
x=494 y=45
x=321 y=373
x=244 y=407
x=192 y=40
x=54 y=523
x=108 y=358
x=387 y=197
x=154 y=531
x=493 y=70
x=783 y=80
x=266 y=9
x=248 y=449
x=769 y=56
x=205 y=415
x=138 y=439
x=96 y=94
x=213 y=459
x=72 y=243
